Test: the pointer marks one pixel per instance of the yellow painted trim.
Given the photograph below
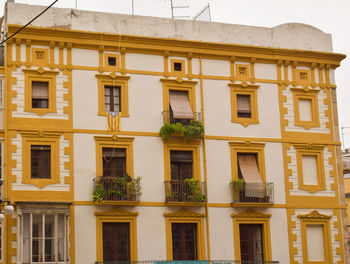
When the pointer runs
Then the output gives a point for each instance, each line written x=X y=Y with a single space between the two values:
x=251 y=90
x=303 y=77
x=52 y=55
x=31 y=139
x=184 y=217
x=114 y=142
x=108 y=67
x=115 y=217
x=251 y=147
x=44 y=61
x=304 y=222
x=318 y=153
x=182 y=62
x=113 y=80
x=252 y=217
x=242 y=72
x=18 y=52
x=178 y=144
x=42 y=76
x=306 y=95
x=28 y=58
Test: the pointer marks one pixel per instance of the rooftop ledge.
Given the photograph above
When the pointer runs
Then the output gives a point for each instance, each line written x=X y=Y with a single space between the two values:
x=286 y=36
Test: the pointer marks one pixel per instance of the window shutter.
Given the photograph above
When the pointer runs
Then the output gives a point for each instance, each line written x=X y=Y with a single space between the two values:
x=180 y=105
x=40 y=90
x=254 y=186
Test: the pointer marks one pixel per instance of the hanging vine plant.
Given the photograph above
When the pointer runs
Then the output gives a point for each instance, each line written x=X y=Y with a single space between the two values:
x=194 y=130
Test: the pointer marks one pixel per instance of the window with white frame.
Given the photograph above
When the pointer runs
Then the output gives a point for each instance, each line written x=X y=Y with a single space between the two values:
x=44 y=237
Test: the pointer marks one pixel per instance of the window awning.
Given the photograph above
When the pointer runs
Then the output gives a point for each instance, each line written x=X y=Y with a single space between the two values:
x=243 y=103
x=180 y=105
x=254 y=186
x=40 y=90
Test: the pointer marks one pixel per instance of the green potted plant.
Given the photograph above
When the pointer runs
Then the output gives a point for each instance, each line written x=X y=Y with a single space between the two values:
x=194 y=129
x=238 y=183
x=135 y=188
x=98 y=194
x=195 y=190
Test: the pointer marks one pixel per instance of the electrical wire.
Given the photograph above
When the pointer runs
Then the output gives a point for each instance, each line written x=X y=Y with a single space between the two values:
x=19 y=30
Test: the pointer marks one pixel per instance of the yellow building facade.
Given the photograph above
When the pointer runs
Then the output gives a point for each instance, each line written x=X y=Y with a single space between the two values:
x=228 y=145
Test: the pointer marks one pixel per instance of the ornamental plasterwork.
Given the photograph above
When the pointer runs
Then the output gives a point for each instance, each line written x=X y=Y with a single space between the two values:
x=183 y=213
x=314 y=214
x=116 y=212
x=250 y=214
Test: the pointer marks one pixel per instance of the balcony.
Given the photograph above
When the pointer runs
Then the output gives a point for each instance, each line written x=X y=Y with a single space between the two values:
x=117 y=190
x=186 y=128
x=189 y=192
x=241 y=198
x=169 y=119
x=188 y=262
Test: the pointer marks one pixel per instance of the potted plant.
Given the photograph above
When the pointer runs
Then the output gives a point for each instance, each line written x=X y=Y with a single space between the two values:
x=195 y=190
x=194 y=129
x=135 y=188
x=98 y=194
x=238 y=184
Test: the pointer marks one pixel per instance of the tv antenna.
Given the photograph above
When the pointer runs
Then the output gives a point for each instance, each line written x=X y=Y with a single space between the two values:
x=177 y=7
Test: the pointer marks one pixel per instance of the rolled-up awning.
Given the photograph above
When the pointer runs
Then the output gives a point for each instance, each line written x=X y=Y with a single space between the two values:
x=254 y=186
x=180 y=105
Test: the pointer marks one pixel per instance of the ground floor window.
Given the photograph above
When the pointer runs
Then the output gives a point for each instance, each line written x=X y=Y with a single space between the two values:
x=116 y=241
x=43 y=235
x=184 y=237
x=251 y=241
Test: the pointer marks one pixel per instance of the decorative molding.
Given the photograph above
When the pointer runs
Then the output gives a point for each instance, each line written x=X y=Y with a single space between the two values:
x=115 y=211
x=314 y=215
x=114 y=138
x=251 y=214
x=183 y=213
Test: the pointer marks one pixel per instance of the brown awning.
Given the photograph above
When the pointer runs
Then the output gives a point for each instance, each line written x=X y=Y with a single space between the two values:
x=180 y=105
x=243 y=103
x=40 y=90
x=254 y=186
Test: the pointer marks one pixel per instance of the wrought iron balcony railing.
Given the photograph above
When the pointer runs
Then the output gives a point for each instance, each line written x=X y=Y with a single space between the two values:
x=190 y=190
x=188 y=262
x=241 y=195
x=169 y=119
x=115 y=189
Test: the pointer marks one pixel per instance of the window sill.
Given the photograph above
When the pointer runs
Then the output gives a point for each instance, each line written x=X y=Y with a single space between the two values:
x=197 y=204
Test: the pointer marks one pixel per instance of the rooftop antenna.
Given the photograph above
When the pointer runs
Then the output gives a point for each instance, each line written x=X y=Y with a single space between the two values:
x=203 y=14
x=174 y=7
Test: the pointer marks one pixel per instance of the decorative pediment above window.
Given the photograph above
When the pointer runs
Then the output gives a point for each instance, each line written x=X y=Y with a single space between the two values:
x=115 y=211
x=314 y=215
x=250 y=214
x=183 y=213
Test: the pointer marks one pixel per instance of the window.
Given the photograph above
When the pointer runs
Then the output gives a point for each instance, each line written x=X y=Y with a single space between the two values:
x=40 y=94
x=116 y=241
x=244 y=104
x=116 y=236
x=112 y=99
x=40 y=159
x=179 y=101
x=112 y=94
x=44 y=237
x=184 y=236
x=251 y=243
x=180 y=108
x=310 y=164
x=306 y=113
x=114 y=162
x=177 y=66
x=252 y=230
x=316 y=238
x=40 y=91
x=111 y=62
x=181 y=169
x=40 y=162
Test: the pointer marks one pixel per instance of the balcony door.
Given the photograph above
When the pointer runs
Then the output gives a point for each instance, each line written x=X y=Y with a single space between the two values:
x=251 y=242
x=181 y=169
x=184 y=237
x=116 y=242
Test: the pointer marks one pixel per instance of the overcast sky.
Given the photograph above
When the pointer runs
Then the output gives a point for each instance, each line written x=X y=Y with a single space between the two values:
x=331 y=16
